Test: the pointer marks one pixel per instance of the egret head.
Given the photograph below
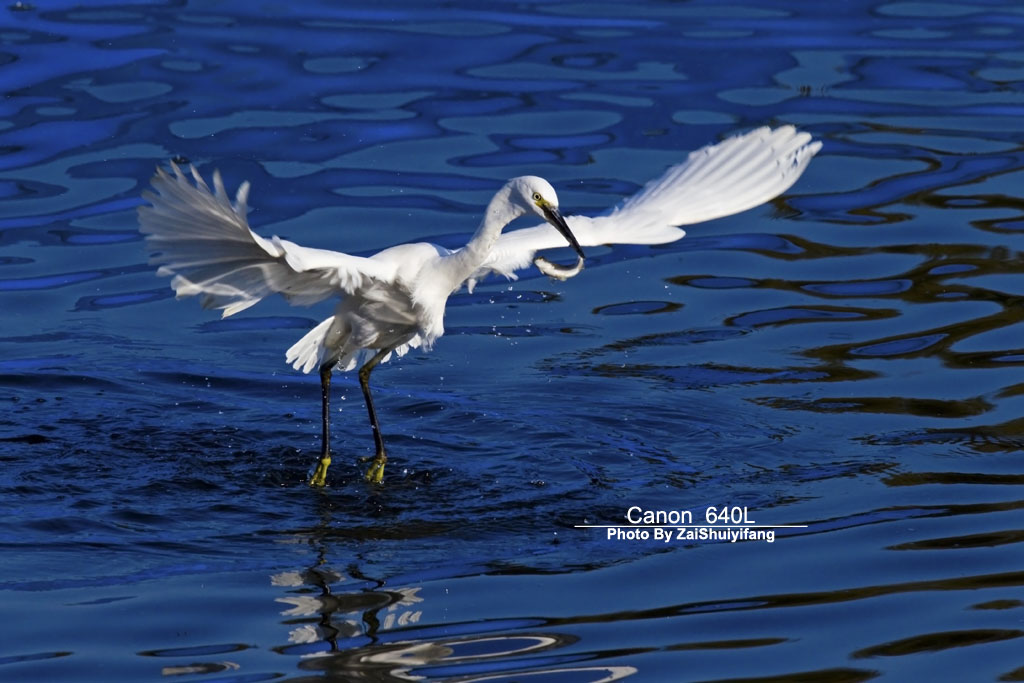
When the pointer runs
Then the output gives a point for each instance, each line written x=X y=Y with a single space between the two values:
x=535 y=195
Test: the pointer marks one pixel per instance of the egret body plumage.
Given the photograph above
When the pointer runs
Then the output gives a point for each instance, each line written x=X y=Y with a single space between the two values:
x=395 y=300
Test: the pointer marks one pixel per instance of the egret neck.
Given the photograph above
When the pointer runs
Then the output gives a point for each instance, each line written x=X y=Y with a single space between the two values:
x=500 y=212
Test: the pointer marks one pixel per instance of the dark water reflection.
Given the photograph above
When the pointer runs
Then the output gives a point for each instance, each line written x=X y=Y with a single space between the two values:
x=846 y=358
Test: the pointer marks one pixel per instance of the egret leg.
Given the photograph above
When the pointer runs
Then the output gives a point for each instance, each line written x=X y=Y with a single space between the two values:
x=319 y=477
x=375 y=474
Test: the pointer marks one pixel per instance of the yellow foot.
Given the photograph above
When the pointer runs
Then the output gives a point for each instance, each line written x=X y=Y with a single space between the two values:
x=375 y=475
x=319 y=477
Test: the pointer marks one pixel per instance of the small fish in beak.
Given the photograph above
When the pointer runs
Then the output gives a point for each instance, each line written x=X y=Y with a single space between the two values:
x=549 y=268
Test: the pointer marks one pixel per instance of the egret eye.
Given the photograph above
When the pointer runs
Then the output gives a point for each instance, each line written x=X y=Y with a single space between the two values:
x=536 y=196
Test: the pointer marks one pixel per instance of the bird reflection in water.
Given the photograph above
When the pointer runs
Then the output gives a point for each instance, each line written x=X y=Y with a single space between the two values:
x=369 y=632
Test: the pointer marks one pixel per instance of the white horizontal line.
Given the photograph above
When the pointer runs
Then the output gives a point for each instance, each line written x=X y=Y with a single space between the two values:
x=690 y=525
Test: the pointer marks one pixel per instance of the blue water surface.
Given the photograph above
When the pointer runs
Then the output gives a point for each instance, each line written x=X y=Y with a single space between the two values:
x=845 y=360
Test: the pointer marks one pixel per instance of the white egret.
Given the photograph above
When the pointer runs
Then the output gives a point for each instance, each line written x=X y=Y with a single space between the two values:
x=394 y=300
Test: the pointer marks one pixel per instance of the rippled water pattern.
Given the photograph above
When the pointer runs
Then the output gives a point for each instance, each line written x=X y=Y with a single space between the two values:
x=847 y=358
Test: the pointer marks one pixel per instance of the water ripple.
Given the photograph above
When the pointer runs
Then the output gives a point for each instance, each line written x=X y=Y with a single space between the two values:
x=845 y=358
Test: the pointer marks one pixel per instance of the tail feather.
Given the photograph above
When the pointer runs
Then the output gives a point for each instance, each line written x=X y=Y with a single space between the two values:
x=312 y=350
x=333 y=343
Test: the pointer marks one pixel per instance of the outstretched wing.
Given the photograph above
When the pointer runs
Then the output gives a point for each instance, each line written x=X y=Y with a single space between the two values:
x=714 y=181
x=204 y=241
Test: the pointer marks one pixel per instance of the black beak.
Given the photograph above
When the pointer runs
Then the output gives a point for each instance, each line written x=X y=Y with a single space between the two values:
x=554 y=218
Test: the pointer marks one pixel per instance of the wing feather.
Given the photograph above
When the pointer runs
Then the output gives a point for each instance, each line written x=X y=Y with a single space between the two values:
x=715 y=181
x=203 y=240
